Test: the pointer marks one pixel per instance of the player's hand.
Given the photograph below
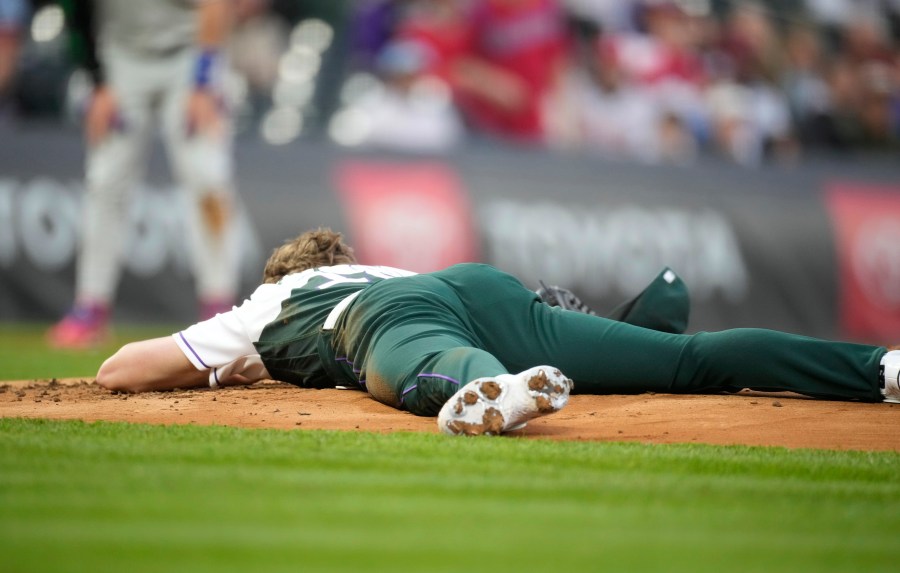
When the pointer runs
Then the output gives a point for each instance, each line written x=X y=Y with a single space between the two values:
x=102 y=115
x=204 y=114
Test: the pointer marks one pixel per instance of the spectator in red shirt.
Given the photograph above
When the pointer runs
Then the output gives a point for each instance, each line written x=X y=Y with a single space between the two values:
x=514 y=53
x=443 y=26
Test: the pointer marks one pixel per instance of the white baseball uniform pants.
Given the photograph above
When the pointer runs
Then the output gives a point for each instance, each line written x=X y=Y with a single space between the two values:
x=151 y=92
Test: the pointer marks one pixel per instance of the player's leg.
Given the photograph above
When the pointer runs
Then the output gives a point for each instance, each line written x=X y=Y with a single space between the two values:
x=203 y=164
x=771 y=360
x=626 y=359
x=418 y=365
x=605 y=356
x=435 y=372
x=611 y=357
x=414 y=350
x=114 y=166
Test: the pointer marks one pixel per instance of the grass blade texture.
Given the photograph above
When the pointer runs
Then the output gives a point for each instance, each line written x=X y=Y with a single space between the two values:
x=121 y=497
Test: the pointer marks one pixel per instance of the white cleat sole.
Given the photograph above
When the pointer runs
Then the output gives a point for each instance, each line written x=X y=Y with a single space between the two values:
x=491 y=406
x=890 y=377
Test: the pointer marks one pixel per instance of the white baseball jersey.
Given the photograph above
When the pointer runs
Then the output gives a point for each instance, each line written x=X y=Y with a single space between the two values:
x=302 y=304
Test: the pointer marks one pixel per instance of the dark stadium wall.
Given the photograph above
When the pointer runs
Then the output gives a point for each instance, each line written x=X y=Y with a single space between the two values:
x=809 y=248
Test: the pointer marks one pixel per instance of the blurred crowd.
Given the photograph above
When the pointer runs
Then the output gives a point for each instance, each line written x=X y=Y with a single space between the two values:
x=658 y=81
x=650 y=80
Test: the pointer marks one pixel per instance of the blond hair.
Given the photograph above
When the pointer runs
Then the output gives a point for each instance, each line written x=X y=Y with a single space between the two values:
x=319 y=248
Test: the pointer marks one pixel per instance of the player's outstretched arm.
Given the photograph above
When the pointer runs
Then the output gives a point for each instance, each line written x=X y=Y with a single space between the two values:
x=148 y=365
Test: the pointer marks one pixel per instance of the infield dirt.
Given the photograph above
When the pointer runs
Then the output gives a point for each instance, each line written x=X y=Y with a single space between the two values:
x=746 y=418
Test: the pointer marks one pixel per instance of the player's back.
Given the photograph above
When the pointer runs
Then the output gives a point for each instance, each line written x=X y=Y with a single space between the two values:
x=289 y=343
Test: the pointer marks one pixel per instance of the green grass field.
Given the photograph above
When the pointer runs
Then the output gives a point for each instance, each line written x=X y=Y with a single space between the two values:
x=120 y=497
x=24 y=355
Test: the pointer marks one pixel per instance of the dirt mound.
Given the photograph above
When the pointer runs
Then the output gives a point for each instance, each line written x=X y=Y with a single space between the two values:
x=745 y=418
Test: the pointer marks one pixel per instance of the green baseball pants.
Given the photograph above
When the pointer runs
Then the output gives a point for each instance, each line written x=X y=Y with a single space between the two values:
x=414 y=341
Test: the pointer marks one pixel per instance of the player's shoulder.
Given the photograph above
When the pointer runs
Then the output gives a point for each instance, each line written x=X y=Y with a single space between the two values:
x=377 y=271
x=338 y=274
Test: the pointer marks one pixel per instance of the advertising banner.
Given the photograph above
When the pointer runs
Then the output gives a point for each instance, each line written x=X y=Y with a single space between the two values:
x=787 y=249
x=409 y=215
x=867 y=231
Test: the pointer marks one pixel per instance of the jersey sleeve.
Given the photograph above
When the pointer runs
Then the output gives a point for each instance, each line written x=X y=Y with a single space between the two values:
x=224 y=344
x=215 y=342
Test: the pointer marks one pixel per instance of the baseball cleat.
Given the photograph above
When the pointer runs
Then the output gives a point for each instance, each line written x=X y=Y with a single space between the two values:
x=890 y=377
x=493 y=405
x=82 y=328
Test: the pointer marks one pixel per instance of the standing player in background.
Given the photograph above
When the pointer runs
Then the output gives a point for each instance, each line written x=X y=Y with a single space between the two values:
x=152 y=61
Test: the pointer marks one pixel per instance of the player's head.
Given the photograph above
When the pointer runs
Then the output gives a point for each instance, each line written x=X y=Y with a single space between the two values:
x=318 y=248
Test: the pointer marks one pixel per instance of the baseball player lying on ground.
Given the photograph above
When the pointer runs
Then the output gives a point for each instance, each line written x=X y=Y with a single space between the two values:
x=474 y=346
